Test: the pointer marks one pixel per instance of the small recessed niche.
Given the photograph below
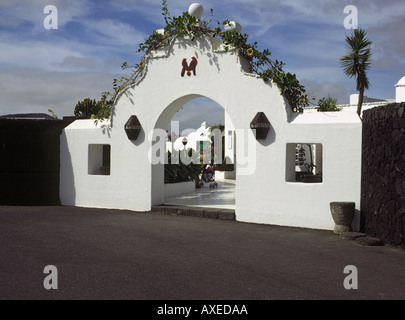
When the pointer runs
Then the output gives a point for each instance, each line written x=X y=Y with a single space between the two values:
x=99 y=159
x=304 y=162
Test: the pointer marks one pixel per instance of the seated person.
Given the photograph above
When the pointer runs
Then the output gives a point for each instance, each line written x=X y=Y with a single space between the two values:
x=208 y=172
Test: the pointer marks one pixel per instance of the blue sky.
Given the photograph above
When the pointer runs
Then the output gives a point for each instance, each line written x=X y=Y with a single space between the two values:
x=41 y=69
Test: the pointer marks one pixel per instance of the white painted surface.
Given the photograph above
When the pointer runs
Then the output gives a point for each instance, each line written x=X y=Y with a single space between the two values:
x=233 y=26
x=262 y=193
x=400 y=90
x=354 y=99
x=346 y=116
x=401 y=82
x=175 y=189
x=194 y=138
x=196 y=10
x=221 y=197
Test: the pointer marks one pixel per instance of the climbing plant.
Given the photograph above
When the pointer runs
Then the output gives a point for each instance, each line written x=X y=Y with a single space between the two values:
x=186 y=25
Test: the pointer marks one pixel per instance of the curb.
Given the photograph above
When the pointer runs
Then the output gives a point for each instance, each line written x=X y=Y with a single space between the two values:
x=199 y=212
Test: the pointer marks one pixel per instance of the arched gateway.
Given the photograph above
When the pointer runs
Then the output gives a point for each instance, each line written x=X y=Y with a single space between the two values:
x=269 y=188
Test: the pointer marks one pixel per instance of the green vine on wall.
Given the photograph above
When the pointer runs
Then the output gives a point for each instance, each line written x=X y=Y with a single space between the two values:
x=186 y=25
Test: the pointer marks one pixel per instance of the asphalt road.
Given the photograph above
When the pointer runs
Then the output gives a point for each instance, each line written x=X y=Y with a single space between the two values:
x=113 y=254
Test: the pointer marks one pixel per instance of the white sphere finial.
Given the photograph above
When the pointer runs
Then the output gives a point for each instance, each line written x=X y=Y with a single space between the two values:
x=233 y=26
x=196 y=10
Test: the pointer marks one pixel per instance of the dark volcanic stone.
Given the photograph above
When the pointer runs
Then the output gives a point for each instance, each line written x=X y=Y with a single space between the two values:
x=368 y=241
x=352 y=235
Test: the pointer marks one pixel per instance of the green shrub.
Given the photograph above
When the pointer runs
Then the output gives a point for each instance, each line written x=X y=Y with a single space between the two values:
x=87 y=108
x=181 y=172
x=327 y=105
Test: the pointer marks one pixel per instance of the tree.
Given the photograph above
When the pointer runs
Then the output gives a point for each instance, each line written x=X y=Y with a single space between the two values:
x=87 y=108
x=357 y=61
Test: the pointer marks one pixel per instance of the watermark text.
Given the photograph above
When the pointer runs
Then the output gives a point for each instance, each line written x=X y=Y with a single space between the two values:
x=351 y=21
x=51 y=20
x=351 y=281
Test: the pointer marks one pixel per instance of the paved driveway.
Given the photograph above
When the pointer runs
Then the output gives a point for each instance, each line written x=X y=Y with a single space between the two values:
x=111 y=254
x=222 y=197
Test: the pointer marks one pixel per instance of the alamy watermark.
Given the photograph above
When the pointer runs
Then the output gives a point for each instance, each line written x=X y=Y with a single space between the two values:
x=351 y=281
x=205 y=153
x=351 y=21
x=51 y=280
x=51 y=20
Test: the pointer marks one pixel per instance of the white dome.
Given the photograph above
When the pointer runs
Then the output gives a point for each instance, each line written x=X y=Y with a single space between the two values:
x=401 y=82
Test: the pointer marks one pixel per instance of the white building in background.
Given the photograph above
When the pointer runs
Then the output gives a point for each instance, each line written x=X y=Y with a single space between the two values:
x=369 y=103
x=400 y=90
x=190 y=141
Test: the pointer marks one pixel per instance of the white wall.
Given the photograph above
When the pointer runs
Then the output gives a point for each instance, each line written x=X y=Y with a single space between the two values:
x=125 y=186
x=230 y=146
x=262 y=193
x=400 y=93
x=174 y=189
x=302 y=204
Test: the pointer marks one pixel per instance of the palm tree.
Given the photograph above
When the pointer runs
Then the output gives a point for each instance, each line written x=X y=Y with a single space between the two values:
x=357 y=61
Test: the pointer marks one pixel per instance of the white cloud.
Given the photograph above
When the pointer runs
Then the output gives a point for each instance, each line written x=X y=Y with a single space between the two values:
x=335 y=90
x=34 y=53
x=307 y=35
x=114 y=45
x=33 y=90
x=114 y=33
x=9 y=22
x=43 y=69
x=79 y=63
x=32 y=11
x=260 y=16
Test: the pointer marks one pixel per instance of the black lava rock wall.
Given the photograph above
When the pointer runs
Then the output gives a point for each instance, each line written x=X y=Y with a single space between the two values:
x=383 y=173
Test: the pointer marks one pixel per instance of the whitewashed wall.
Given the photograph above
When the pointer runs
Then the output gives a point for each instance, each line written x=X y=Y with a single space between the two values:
x=175 y=189
x=400 y=90
x=262 y=193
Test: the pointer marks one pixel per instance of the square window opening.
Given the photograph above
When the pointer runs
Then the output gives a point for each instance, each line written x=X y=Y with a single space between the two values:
x=304 y=162
x=99 y=159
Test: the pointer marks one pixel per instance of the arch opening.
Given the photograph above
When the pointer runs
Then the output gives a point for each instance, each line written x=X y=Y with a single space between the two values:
x=198 y=134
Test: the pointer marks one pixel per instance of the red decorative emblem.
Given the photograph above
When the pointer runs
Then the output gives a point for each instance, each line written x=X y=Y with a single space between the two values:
x=189 y=68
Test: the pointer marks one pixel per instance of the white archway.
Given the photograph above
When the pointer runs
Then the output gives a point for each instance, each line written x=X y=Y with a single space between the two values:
x=267 y=191
x=158 y=194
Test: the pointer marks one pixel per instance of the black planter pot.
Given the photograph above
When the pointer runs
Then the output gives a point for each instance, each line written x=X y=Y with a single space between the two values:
x=311 y=178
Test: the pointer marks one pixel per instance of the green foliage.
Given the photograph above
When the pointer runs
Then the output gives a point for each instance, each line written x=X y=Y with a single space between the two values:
x=327 y=105
x=217 y=155
x=181 y=172
x=358 y=58
x=357 y=61
x=187 y=25
x=220 y=127
x=87 y=108
x=53 y=114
